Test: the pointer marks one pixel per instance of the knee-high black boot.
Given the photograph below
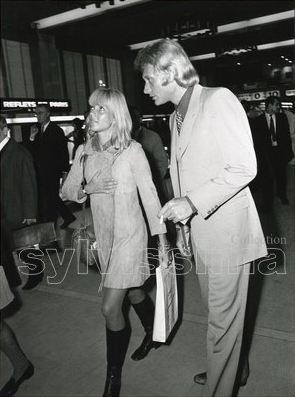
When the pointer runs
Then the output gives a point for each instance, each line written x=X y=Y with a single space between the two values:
x=116 y=351
x=145 y=311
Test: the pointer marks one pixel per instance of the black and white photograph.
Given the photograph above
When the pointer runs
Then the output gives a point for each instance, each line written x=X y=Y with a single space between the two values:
x=147 y=198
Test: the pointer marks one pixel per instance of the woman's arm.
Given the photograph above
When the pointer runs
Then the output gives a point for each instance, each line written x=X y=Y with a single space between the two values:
x=72 y=187
x=148 y=193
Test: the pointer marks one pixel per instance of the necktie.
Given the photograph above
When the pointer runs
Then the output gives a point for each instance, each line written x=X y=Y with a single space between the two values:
x=179 y=120
x=272 y=129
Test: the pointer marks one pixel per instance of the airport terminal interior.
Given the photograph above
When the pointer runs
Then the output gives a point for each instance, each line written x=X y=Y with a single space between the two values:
x=61 y=328
x=58 y=52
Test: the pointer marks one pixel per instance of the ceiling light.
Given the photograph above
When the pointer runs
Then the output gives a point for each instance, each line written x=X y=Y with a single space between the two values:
x=259 y=47
x=21 y=120
x=89 y=11
x=255 y=21
x=236 y=51
x=203 y=56
x=269 y=64
x=275 y=45
x=229 y=27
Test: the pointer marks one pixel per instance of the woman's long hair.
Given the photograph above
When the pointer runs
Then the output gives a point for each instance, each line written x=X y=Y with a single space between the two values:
x=115 y=101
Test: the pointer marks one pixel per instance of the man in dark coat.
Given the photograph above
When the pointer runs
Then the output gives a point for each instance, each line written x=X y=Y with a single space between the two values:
x=273 y=150
x=154 y=150
x=18 y=197
x=48 y=146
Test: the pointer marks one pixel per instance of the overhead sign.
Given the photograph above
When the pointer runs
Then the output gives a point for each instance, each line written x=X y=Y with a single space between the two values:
x=290 y=92
x=258 y=96
x=27 y=104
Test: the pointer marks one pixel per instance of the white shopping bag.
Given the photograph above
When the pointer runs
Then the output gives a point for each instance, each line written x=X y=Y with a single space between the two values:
x=166 y=307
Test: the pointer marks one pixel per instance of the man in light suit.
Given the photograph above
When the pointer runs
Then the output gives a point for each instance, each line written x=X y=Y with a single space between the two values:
x=212 y=162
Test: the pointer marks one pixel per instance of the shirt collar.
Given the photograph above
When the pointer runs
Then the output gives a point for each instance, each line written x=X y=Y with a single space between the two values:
x=90 y=148
x=184 y=102
x=45 y=126
x=4 y=142
x=269 y=115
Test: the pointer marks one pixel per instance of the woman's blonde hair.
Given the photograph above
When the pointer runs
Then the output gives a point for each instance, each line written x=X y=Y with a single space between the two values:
x=115 y=101
x=165 y=53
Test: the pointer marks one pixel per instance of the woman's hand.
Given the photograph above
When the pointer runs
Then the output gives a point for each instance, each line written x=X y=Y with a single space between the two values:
x=100 y=185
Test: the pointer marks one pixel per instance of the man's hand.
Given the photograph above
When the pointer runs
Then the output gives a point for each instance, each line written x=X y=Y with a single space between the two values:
x=33 y=131
x=176 y=210
x=101 y=185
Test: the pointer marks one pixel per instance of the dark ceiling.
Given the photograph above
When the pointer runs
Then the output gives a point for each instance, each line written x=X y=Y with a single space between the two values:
x=110 y=33
x=149 y=20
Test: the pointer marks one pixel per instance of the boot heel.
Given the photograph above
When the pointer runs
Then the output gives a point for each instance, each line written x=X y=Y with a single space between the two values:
x=113 y=383
x=145 y=347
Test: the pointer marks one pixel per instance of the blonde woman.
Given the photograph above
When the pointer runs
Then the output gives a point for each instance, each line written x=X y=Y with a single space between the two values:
x=116 y=169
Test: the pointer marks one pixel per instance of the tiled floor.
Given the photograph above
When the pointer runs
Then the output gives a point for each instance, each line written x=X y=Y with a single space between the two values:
x=61 y=329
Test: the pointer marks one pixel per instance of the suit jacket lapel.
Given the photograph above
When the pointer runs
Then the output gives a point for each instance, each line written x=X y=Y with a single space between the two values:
x=189 y=120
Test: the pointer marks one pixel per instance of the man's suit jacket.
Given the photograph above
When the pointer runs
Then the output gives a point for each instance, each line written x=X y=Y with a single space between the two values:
x=212 y=162
x=50 y=153
x=262 y=138
x=18 y=200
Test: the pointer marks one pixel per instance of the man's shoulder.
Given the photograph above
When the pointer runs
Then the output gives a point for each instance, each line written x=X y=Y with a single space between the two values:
x=215 y=90
x=281 y=116
x=55 y=127
x=261 y=117
x=150 y=133
x=18 y=148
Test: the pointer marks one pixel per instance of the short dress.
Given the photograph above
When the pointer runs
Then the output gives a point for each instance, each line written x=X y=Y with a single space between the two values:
x=119 y=225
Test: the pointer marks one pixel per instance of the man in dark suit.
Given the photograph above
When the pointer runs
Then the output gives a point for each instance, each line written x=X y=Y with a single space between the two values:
x=273 y=149
x=18 y=197
x=49 y=148
x=154 y=150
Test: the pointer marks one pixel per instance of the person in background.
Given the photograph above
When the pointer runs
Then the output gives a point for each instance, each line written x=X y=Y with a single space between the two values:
x=23 y=369
x=78 y=134
x=212 y=162
x=247 y=107
x=154 y=150
x=262 y=162
x=272 y=136
x=116 y=169
x=291 y=121
x=48 y=145
x=19 y=206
